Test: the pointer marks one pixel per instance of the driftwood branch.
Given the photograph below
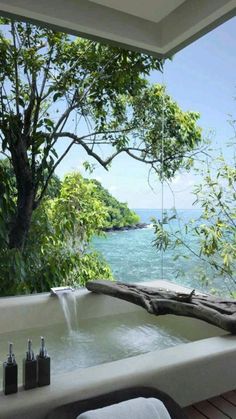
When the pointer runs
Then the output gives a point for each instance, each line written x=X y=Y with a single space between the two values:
x=216 y=311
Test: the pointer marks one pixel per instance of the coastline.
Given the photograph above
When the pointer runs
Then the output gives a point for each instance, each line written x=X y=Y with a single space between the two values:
x=124 y=228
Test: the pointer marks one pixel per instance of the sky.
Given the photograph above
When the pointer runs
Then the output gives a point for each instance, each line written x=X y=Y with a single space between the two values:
x=200 y=78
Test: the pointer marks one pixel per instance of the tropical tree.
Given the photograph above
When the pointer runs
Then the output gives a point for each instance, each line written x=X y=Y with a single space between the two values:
x=57 y=250
x=210 y=239
x=54 y=88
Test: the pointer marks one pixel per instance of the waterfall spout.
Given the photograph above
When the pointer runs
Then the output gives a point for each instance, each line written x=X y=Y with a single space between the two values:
x=57 y=290
x=67 y=299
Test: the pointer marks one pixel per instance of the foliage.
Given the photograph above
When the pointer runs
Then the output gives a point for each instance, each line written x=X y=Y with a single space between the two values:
x=52 y=85
x=166 y=135
x=57 y=249
x=91 y=266
x=213 y=248
x=118 y=214
x=7 y=200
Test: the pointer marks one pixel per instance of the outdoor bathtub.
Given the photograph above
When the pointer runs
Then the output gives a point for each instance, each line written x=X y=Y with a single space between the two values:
x=188 y=372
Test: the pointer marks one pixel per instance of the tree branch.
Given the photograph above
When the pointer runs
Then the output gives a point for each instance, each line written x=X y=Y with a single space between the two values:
x=15 y=68
x=28 y=112
x=217 y=311
x=90 y=152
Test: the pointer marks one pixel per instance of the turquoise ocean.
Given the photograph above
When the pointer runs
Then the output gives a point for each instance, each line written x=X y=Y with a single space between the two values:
x=133 y=257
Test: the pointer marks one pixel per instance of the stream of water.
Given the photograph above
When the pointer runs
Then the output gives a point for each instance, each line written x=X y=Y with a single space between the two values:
x=68 y=304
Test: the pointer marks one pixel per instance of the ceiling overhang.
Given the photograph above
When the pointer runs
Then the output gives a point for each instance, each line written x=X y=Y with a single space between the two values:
x=157 y=27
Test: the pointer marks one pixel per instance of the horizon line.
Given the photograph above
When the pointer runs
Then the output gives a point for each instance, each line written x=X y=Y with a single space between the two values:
x=160 y=209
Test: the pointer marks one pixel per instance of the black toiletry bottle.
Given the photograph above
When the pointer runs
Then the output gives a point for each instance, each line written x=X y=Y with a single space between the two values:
x=29 y=368
x=10 y=371
x=43 y=361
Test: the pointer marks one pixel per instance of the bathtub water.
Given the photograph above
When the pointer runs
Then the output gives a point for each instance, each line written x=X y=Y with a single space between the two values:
x=95 y=342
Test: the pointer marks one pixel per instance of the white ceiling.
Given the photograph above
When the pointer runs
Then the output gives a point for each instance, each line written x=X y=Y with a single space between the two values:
x=153 y=10
x=157 y=27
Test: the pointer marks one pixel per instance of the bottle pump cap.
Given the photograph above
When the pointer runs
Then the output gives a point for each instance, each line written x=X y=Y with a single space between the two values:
x=43 y=351
x=11 y=356
x=30 y=353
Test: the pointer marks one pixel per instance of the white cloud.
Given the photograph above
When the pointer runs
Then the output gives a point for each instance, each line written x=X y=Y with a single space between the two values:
x=183 y=181
x=112 y=188
x=176 y=180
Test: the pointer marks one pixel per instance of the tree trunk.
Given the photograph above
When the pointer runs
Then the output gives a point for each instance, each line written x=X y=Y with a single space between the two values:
x=20 y=224
x=216 y=311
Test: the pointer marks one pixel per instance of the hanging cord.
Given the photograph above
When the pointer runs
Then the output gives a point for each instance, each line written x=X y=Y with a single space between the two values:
x=162 y=169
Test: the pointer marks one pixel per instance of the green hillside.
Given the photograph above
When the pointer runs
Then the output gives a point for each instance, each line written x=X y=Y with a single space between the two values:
x=118 y=213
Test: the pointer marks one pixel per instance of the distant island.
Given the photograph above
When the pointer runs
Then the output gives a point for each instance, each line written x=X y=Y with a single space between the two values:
x=119 y=216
